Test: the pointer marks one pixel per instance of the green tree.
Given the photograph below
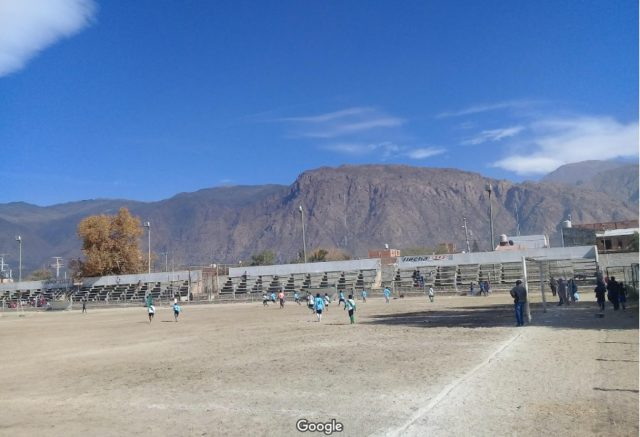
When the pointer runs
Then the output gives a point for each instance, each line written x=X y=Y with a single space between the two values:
x=416 y=251
x=264 y=258
x=42 y=274
x=318 y=255
x=111 y=244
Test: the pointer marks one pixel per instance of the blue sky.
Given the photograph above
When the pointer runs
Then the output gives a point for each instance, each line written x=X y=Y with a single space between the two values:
x=146 y=99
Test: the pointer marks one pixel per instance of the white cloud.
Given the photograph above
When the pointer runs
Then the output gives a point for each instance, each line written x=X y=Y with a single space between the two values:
x=477 y=109
x=384 y=150
x=494 y=135
x=342 y=123
x=558 y=141
x=332 y=115
x=29 y=26
x=424 y=153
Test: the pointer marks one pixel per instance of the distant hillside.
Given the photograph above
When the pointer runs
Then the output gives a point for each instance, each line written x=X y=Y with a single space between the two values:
x=354 y=208
x=618 y=179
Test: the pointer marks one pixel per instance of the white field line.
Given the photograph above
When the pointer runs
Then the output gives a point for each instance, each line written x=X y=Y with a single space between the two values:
x=448 y=389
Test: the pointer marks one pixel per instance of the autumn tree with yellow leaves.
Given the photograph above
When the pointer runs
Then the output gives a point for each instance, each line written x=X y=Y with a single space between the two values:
x=111 y=244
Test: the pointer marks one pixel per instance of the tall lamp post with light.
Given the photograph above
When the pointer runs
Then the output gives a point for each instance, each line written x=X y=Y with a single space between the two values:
x=489 y=189
x=19 y=240
x=148 y=226
x=304 y=240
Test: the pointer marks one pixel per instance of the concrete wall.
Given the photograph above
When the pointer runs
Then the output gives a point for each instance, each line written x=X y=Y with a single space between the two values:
x=617 y=259
x=498 y=257
x=304 y=268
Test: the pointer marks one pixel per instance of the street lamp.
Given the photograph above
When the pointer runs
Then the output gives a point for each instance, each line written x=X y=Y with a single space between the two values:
x=19 y=240
x=304 y=240
x=148 y=226
x=466 y=234
x=215 y=266
x=489 y=189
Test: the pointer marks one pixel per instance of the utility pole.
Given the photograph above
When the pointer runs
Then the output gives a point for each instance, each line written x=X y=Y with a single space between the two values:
x=57 y=265
x=19 y=240
x=148 y=226
x=304 y=240
x=466 y=234
x=2 y=255
x=489 y=189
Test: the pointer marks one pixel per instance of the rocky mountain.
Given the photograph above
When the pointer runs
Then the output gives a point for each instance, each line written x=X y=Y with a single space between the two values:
x=617 y=179
x=354 y=208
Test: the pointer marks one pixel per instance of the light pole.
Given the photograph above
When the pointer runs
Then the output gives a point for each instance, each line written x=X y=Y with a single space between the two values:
x=19 y=240
x=148 y=226
x=304 y=240
x=489 y=189
x=215 y=266
x=466 y=234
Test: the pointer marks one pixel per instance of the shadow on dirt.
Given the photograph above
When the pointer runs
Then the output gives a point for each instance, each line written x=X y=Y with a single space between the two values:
x=577 y=316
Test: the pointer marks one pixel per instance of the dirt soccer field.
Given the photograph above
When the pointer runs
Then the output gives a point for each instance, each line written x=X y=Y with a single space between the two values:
x=458 y=366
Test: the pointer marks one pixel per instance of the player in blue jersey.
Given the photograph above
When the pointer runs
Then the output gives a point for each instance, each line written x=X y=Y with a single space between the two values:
x=318 y=306
x=387 y=294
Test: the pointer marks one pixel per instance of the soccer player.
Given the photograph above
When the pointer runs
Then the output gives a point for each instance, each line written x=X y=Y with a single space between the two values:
x=431 y=294
x=311 y=303
x=327 y=301
x=350 y=305
x=265 y=300
x=341 y=298
x=176 y=311
x=296 y=298
x=319 y=306
x=364 y=296
x=281 y=298
x=387 y=294
x=152 y=312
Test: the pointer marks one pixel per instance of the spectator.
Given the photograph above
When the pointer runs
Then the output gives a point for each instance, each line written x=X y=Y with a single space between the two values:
x=613 y=293
x=519 y=294
x=600 y=291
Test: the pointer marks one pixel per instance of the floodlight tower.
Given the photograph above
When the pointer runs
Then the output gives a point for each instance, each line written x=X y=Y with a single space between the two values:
x=19 y=240
x=57 y=265
x=304 y=240
x=489 y=189
x=148 y=226
x=466 y=234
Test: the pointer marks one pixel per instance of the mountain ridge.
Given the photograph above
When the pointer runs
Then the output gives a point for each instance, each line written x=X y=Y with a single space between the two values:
x=353 y=208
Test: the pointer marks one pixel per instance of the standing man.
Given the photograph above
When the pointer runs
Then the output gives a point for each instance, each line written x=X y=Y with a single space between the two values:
x=613 y=295
x=281 y=298
x=387 y=294
x=600 y=291
x=431 y=294
x=562 y=291
x=554 y=286
x=84 y=304
x=519 y=295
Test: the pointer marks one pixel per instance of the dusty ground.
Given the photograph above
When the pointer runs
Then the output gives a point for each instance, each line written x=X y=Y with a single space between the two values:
x=454 y=367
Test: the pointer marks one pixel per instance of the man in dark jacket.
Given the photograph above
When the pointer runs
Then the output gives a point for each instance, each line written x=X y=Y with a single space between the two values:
x=519 y=294
x=600 y=291
x=613 y=289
